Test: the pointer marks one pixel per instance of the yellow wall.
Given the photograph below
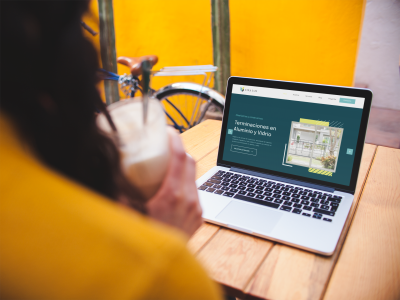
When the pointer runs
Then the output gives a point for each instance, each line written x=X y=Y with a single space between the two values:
x=177 y=31
x=299 y=40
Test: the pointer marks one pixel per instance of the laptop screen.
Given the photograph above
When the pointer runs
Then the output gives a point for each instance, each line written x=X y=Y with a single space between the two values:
x=307 y=134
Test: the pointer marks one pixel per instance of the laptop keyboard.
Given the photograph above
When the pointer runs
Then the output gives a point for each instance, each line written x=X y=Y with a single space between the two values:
x=274 y=194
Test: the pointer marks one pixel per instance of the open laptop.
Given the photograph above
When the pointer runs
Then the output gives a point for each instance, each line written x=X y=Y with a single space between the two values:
x=288 y=161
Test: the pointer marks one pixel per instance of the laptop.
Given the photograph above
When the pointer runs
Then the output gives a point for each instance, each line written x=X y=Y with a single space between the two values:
x=288 y=161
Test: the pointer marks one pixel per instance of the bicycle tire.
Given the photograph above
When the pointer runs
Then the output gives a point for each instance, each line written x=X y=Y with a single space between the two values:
x=209 y=104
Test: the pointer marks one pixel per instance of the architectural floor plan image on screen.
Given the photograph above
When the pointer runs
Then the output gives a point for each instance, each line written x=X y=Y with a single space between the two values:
x=313 y=144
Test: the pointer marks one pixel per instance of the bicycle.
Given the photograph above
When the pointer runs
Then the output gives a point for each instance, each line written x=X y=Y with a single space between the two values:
x=200 y=101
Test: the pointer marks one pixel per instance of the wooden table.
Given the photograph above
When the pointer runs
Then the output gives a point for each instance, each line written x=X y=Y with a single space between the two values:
x=365 y=265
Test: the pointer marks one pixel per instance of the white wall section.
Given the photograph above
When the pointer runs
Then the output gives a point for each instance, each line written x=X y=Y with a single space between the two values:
x=378 y=57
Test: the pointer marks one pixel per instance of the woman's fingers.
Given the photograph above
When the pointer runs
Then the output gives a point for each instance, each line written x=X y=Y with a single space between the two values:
x=177 y=157
x=194 y=210
x=171 y=182
x=177 y=202
x=193 y=218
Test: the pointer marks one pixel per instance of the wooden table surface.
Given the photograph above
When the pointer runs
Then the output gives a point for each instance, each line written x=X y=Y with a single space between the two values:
x=365 y=265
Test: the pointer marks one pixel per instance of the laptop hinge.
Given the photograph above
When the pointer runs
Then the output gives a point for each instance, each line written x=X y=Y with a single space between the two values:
x=283 y=179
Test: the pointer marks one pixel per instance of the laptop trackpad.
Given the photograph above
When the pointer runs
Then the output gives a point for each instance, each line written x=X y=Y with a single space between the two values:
x=251 y=217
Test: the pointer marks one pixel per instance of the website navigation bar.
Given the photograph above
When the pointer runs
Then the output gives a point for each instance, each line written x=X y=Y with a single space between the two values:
x=327 y=99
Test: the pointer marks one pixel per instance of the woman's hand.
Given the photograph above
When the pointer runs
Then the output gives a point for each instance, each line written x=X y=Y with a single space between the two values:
x=177 y=201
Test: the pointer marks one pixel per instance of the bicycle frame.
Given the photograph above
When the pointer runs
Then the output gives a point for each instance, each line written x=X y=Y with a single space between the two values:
x=130 y=84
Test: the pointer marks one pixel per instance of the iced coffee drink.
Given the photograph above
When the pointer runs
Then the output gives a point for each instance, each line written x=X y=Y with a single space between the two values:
x=144 y=147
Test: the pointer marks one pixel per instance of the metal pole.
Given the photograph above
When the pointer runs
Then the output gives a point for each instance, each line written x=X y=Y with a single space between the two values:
x=107 y=48
x=221 y=42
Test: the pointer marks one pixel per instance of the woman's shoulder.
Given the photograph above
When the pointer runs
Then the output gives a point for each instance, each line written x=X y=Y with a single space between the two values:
x=38 y=192
x=78 y=242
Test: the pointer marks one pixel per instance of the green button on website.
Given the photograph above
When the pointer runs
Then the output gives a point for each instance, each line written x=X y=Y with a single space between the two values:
x=347 y=100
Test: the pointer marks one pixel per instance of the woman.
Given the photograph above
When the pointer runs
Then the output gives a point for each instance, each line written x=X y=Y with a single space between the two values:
x=62 y=237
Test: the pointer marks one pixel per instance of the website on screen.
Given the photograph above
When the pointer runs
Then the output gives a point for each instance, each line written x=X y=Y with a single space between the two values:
x=301 y=133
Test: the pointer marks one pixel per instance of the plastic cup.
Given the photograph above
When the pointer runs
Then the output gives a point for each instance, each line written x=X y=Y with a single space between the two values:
x=144 y=147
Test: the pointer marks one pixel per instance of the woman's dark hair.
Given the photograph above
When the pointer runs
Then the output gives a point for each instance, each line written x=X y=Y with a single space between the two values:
x=48 y=89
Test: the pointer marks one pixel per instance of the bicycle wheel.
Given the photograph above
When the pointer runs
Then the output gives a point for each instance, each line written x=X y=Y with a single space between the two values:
x=188 y=104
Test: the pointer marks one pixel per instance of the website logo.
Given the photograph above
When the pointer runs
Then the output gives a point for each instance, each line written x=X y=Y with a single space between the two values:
x=242 y=89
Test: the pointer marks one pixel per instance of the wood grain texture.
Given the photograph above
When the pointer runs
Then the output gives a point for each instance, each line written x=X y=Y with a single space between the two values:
x=231 y=258
x=369 y=265
x=107 y=48
x=207 y=230
x=383 y=127
x=202 y=139
x=202 y=236
x=202 y=142
x=290 y=273
x=221 y=33
x=206 y=163
x=250 y=266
